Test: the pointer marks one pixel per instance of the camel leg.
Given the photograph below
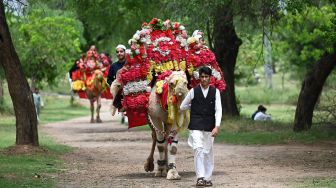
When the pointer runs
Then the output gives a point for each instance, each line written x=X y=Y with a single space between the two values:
x=162 y=161
x=172 y=150
x=98 y=120
x=149 y=164
x=113 y=108
x=92 y=110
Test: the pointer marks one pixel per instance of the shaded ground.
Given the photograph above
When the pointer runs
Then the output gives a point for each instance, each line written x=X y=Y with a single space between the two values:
x=110 y=155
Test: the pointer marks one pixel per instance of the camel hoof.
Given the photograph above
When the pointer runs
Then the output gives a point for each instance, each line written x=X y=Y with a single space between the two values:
x=92 y=121
x=149 y=166
x=99 y=121
x=173 y=175
x=161 y=172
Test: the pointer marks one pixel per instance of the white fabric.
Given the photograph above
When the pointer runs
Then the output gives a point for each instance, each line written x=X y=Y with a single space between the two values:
x=197 y=37
x=200 y=139
x=202 y=144
x=260 y=116
x=121 y=46
x=186 y=103
x=195 y=33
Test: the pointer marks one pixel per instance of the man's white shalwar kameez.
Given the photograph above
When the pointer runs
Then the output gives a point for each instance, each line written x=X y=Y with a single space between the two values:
x=202 y=141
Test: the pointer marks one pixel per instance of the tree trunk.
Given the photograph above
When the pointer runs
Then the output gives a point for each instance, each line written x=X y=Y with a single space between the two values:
x=226 y=43
x=26 y=120
x=311 y=89
x=1 y=89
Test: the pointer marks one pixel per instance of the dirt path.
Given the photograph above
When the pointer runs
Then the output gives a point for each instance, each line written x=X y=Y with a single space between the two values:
x=110 y=155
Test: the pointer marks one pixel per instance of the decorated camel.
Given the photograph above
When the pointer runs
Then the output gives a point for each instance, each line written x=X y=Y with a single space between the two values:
x=89 y=80
x=161 y=50
x=165 y=119
x=96 y=85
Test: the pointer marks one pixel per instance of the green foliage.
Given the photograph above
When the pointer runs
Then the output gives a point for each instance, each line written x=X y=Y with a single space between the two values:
x=325 y=111
x=108 y=23
x=308 y=35
x=46 y=41
x=198 y=14
x=6 y=106
x=249 y=58
x=284 y=91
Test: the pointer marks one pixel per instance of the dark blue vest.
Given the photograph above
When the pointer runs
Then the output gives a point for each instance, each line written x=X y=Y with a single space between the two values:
x=202 y=113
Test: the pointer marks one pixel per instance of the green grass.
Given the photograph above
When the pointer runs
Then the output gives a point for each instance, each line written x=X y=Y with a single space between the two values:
x=281 y=93
x=34 y=170
x=59 y=109
x=317 y=183
x=37 y=169
x=243 y=130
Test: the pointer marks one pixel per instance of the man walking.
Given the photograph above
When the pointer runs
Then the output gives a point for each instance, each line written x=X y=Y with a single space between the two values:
x=205 y=107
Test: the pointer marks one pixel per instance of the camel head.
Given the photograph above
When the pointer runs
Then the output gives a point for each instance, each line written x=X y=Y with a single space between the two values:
x=115 y=87
x=99 y=84
x=178 y=84
x=98 y=75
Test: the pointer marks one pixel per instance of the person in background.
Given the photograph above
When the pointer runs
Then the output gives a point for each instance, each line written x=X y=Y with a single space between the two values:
x=121 y=55
x=37 y=102
x=200 y=33
x=260 y=114
x=120 y=52
x=205 y=107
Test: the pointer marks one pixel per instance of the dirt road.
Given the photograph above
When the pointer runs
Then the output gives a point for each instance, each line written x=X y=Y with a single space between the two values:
x=110 y=155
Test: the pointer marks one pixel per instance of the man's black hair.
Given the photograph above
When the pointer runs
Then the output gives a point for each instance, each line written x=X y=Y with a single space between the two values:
x=205 y=70
x=261 y=108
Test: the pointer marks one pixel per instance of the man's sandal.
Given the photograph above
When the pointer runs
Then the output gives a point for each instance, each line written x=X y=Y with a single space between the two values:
x=208 y=183
x=200 y=182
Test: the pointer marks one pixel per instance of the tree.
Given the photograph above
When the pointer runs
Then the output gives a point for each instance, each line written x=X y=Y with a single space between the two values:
x=310 y=34
x=26 y=120
x=47 y=41
x=220 y=18
x=226 y=49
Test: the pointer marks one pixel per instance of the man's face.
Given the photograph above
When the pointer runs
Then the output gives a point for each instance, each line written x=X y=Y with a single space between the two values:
x=120 y=54
x=202 y=41
x=205 y=80
x=93 y=47
x=184 y=34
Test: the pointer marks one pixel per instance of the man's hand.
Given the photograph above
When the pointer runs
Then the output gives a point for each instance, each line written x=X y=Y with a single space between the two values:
x=215 y=131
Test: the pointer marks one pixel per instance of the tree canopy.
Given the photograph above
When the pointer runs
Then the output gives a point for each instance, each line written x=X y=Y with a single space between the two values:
x=307 y=36
x=46 y=41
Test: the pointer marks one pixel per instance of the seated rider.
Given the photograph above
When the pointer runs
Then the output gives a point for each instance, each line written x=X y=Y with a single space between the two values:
x=120 y=52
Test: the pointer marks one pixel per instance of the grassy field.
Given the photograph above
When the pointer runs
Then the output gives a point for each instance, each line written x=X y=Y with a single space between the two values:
x=38 y=168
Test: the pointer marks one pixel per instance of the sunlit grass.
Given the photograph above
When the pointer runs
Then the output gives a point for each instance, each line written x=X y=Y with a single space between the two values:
x=59 y=108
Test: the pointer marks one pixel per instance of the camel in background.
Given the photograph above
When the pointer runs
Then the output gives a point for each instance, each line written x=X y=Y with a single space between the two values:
x=95 y=86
